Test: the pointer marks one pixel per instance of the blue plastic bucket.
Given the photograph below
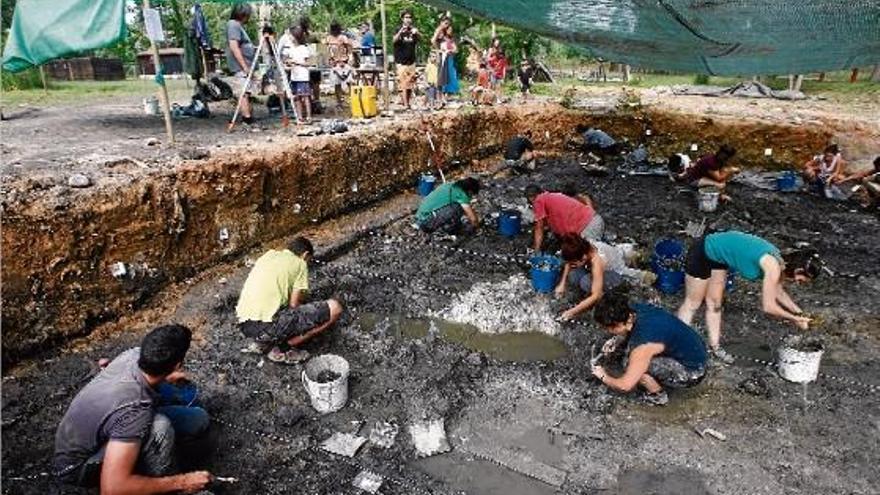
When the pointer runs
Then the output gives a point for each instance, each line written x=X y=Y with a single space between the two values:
x=510 y=223
x=786 y=181
x=544 y=273
x=668 y=263
x=426 y=184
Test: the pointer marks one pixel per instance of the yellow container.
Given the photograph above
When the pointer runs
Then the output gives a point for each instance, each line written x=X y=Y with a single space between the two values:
x=363 y=102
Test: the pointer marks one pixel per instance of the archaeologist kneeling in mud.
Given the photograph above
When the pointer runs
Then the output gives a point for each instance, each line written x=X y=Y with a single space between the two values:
x=752 y=258
x=120 y=434
x=443 y=209
x=595 y=268
x=662 y=350
x=270 y=308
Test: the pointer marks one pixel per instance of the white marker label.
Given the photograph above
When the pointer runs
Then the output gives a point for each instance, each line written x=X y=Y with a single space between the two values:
x=224 y=234
x=648 y=132
x=694 y=147
x=768 y=151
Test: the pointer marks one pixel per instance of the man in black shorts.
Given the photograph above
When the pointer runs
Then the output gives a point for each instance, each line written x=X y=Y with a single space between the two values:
x=270 y=309
x=519 y=153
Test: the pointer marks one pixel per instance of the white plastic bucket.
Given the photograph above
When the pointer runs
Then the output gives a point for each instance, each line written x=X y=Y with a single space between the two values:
x=708 y=199
x=151 y=106
x=329 y=396
x=797 y=365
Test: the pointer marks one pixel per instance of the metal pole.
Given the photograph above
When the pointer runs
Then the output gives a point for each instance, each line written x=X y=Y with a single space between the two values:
x=163 y=91
x=43 y=79
x=385 y=90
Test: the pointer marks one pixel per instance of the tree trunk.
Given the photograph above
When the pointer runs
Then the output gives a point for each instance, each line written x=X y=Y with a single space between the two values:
x=875 y=74
x=626 y=72
x=821 y=77
x=854 y=76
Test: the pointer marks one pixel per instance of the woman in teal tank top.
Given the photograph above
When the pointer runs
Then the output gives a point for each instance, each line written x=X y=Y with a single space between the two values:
x=753 y=258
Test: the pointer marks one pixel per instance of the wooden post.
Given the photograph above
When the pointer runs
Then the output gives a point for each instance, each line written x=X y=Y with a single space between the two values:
x=385 y=90
x=875 y=74
x=43 y=80
x=163 y=91
x=854 y=76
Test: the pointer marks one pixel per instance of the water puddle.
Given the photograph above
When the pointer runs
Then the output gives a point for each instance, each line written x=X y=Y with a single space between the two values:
x=519 y=347
x=479 y=477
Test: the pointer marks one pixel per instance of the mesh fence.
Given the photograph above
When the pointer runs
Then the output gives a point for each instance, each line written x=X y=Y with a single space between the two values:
x=724 y=37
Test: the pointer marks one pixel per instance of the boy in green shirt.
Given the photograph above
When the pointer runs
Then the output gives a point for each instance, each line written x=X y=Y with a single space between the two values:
x=270 y=308
x=444 y=207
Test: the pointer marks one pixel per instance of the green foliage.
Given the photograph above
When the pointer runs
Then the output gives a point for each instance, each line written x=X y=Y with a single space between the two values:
x=27 y=79
x=701 y=79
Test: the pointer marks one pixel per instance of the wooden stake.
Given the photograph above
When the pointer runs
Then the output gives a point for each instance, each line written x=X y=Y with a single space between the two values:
x=43 y=79
x=163 y=91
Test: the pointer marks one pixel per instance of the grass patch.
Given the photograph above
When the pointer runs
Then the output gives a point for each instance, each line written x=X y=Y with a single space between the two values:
x=83 y=92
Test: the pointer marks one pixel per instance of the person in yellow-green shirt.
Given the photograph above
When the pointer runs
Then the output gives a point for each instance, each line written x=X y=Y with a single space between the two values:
x=270 y=308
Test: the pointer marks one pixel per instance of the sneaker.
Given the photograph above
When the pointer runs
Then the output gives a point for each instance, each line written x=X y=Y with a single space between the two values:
x=292 y=356
x=721 y=355
x=255 y=348
x=658 y=399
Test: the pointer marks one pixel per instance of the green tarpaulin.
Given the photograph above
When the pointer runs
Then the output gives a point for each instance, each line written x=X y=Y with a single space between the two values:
x=731 y=37
x=43 y=30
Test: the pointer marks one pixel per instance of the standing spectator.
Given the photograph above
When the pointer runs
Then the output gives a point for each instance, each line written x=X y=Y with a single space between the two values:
x=525 y=78
x=497 y=62
x=339 y=49
x=431 y=78
x=481 y=93
x=448 y=77
x=300 y=60
x=240 y=53
x=368 y=39
x=405 y=41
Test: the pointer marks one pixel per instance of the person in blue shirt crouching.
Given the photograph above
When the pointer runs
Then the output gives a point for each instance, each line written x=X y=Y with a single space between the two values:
x=663 y=352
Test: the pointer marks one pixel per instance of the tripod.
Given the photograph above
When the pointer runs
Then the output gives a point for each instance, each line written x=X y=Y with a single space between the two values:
x=275 y=63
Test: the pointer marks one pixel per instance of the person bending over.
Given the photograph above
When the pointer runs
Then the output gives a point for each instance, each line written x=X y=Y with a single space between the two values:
x=519 y=153
x=563 y=214
x=753 y=258
x=595 y=268
x=662 y=352
x=444 y=207
x=270 y=308
x=597 y=141
x=117 y=435
x=710 y=170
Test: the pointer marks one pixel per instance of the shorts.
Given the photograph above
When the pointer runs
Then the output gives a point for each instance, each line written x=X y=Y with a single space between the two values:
x=301 y=88
x=406 y=76
x=525 y=88
x=581 y=278
x=698 y=263
x=289 y=322
x=241 y=84
x=595 y=229
x=672 y=374
x=447 y=218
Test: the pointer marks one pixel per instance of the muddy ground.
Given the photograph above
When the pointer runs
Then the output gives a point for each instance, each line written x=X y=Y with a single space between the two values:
x=544 y=418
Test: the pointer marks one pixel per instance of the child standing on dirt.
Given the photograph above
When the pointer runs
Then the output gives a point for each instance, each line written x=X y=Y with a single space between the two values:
x=662 y=350
x=299 y=63
x=270 y=308
x=753 y=258
x=480 y=92
x=431 y=74
x=444 y=207
x=525 y=79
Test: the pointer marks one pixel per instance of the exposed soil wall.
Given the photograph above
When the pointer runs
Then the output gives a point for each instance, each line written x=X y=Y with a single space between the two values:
x=58 y=260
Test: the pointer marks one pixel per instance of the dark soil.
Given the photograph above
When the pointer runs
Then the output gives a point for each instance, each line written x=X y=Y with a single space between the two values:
x=327 y=376
x=776 y=443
